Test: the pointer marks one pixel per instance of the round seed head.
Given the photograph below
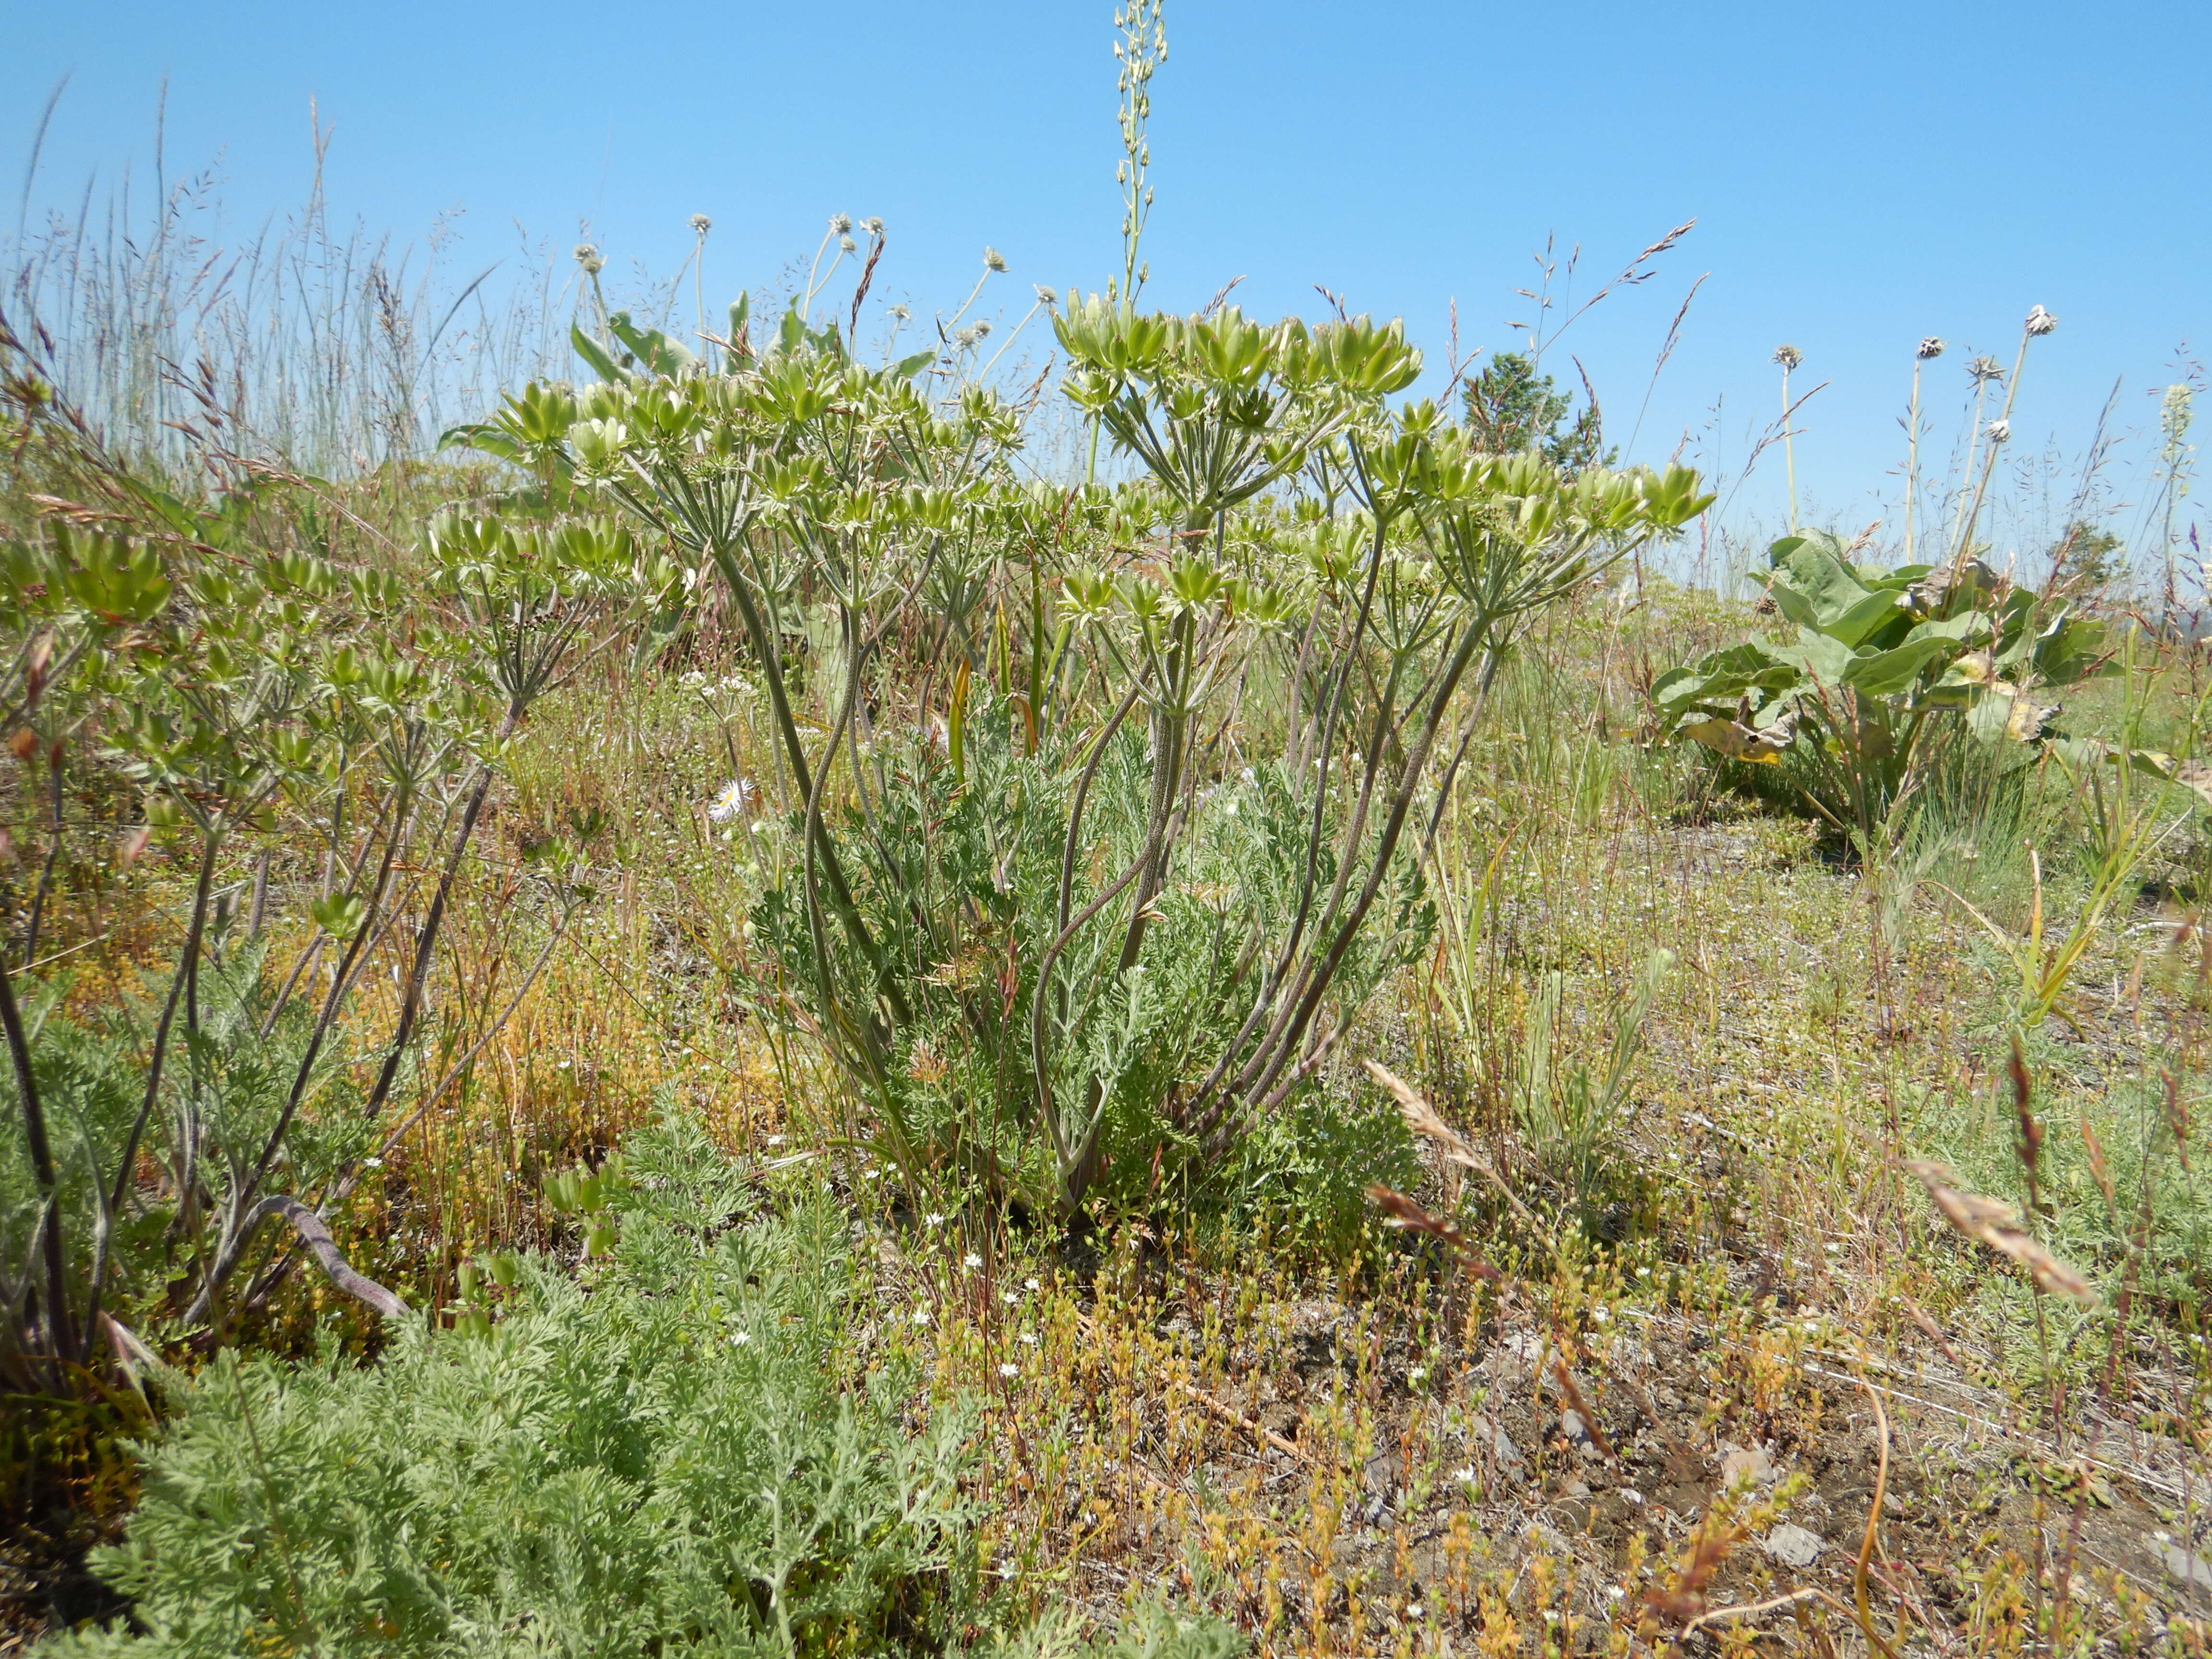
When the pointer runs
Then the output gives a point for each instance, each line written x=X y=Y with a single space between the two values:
x=701 y=224
x=840 y=223
x=2040 y=321
x=1788 y=356
x=993 y=260
x=588 y=257
x=1929 y=348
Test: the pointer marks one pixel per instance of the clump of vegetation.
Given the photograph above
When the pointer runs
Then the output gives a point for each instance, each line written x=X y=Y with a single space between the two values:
x=1882 y=663
x=699 y=1015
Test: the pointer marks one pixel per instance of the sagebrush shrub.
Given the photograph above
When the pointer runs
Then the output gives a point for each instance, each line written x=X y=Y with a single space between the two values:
x=679 y=1458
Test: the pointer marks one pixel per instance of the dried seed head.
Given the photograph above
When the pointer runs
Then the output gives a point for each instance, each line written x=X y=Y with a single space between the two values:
x=1788 y=356
x=872 y=225
x=2000 y=430
x=588 y=257
x=701 y=224
x=2040 y=321
x=840 y=223
x=993 y=260
x=1996 y=1224
x=847 y=245
x=1985 y=368
x=1929 y=348
x=1046 y=297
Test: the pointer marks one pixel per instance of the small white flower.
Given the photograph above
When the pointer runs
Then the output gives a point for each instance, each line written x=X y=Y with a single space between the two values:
x=1029 y=1339
x=775 y=1140
x=1416 y=1611
x=920 y=1315
x=736 y=795
x=1008 y=1297
x=1466 y=1476
x=1419 y=1373
x=972 y=1260
x=1643 y=1272
x=1009 y=1370
x=563 y=1066
x=738 y=1339
x=1599 y=1315
x=1032 y=1285
x=374 y=1163
x=934 y=1219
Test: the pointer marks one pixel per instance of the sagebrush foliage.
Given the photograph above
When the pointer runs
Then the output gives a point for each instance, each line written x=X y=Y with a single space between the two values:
x=679 y=1458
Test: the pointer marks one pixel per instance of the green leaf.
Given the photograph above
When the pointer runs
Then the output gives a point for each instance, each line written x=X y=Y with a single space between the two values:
x=1825 y=661
x=482 y=436
x=339 y=916
x=1863 y=618
x=1886 y=673
x=594 y=354
x=655 y=352
x=906 y=367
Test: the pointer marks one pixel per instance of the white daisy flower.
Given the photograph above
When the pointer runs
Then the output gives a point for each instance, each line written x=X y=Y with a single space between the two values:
x=736 y=795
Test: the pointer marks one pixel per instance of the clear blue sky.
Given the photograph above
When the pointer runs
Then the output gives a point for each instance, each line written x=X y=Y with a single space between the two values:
x=1861 y=175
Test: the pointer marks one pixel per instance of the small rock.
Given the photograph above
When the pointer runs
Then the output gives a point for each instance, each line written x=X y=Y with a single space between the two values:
x=2188 y=1568
x=1501 y=1443
x=1577 y=1433
x=1792 y=1545
x=1741 y=1463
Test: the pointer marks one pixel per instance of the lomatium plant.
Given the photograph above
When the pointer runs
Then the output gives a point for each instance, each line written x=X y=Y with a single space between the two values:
x=295 y=759
x=1089 y=919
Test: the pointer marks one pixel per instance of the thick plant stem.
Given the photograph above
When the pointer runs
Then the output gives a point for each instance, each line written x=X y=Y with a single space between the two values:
x=58 y=1334
x=126 y=1165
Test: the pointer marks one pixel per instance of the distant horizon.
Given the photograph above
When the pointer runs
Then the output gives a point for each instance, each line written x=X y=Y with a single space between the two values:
x=1847 y=199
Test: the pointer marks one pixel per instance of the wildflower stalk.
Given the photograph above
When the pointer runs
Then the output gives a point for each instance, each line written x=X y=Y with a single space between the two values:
x=1930 y=349
x=2038 y=322
x=1788 y=356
